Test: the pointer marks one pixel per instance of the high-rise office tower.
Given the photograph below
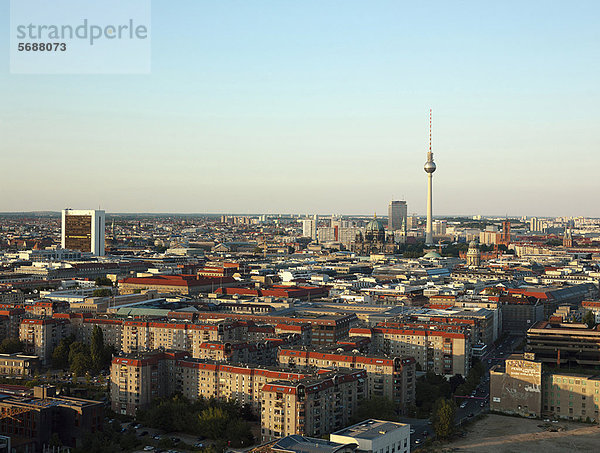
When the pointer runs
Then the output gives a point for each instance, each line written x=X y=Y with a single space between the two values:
x=83 y=230
x=429 y=169
x=397 y=213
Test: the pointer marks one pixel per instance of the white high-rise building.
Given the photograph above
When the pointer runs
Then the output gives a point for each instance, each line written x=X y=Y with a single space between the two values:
x=83 y=230
x=309 y=227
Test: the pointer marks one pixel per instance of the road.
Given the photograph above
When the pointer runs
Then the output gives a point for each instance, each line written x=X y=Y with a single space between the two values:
x=495 y=356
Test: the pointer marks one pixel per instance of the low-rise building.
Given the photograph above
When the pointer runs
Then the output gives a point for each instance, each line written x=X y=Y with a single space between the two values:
x=18 y=364
x=375 y=436
x=32 y=421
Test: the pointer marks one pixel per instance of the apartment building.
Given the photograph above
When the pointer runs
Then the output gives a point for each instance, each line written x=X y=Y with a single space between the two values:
x=136 y=379
x=11 y=296
x=312 y=406
x=147 y=336
x=41 y=336
x=390 y=377
x=438 y=351
x=18 y=364
x=10 y=321
x=324 y=329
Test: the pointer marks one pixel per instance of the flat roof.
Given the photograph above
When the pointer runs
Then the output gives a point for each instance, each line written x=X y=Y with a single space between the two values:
x=369 y=429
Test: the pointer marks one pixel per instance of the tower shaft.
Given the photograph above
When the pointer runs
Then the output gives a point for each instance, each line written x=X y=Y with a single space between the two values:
x=429 y=228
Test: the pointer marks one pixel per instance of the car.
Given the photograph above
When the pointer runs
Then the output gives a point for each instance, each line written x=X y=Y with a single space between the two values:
x=470 y=415
x=156 y=437
x=481 y=404
x=463 y=405
x=554 y=421
x=198 y=445
x=412 y=431
x=417 y=441
x=148 y=448
x=143 y=433
x=175 y=439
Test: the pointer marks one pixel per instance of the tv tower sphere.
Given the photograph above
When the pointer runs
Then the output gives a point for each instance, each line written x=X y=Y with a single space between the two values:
x=430 y=166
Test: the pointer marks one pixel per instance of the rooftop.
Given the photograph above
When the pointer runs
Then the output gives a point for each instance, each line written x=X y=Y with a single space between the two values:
x=369 y=429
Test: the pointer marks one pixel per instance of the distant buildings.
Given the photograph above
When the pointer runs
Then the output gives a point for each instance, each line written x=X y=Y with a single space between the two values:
x=83 y=230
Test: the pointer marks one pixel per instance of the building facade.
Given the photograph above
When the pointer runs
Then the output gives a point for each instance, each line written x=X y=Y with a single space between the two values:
x=83 y=230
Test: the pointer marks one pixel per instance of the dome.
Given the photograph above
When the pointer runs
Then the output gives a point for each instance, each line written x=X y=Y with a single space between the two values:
x=375 y=226
x=473 y=244
x=375 y=231
x=432 y=254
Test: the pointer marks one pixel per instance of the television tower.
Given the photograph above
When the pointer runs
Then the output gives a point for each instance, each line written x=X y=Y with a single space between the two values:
x=429 y=169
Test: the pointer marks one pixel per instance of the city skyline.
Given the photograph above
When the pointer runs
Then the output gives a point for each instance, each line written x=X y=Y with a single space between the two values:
x=318 y=109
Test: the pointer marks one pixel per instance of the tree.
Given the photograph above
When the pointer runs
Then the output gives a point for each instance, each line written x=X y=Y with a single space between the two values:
x=240 y=434
x=97 y=350
x=60 y=355
x=11 y=345
x=377 y=407
x=213 y=422
x=104 y=281
x=444 y=412
x=589 y=319
x=102 y=292
x=455 y=381
x=81 y=363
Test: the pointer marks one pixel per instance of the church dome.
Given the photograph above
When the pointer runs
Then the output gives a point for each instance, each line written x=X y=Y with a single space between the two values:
x=375 y=231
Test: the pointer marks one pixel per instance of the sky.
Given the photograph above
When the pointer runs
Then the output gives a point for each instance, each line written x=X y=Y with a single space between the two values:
x=275 y=106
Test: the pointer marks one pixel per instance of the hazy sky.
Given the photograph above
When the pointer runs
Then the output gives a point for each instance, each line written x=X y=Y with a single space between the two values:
x=320 y=106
